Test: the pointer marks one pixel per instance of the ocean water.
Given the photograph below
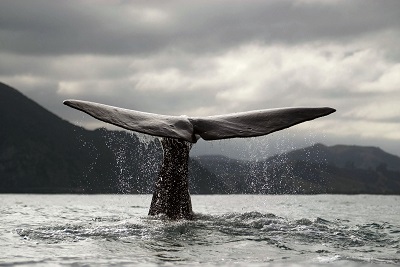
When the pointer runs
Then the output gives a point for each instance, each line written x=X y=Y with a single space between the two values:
x=229 y=230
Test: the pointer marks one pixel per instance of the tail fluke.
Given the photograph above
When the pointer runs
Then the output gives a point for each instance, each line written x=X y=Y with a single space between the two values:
x=142 y=122
x=254 y=123
x=243 y=124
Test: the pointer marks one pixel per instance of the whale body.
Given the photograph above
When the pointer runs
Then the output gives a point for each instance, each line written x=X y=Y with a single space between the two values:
x=171 y=194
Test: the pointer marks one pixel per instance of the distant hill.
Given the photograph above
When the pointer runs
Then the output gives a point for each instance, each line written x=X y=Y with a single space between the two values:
x=315 y=169
x=41 y=153
x=345 y=156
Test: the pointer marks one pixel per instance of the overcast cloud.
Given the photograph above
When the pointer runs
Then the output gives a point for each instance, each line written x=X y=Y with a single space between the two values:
x=212 y=57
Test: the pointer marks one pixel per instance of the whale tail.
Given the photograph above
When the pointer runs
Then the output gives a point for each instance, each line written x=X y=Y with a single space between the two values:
x=171 y=193
x=242 y=124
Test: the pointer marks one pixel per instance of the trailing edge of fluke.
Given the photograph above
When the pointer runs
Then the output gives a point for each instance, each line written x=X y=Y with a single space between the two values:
x=241 y=124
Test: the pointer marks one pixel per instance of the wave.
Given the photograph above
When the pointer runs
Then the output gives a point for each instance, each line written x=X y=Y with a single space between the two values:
x=325 y=240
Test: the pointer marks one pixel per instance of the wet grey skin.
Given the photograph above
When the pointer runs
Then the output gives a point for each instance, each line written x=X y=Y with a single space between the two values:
x=171 y=191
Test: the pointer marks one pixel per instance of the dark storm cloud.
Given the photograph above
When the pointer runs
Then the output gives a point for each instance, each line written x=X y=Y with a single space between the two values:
x=71 y=27
x=119 y=27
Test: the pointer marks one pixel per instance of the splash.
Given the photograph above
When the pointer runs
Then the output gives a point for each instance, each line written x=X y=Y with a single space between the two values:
x=136 y=160
x=145 y=139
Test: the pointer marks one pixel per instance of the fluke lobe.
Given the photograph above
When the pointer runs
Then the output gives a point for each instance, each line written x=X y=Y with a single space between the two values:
x=171 y=193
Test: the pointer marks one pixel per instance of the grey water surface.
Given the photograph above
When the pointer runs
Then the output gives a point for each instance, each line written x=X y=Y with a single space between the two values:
x=229 y=230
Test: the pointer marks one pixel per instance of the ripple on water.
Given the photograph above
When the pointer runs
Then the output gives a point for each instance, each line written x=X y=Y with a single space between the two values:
x=319 y=238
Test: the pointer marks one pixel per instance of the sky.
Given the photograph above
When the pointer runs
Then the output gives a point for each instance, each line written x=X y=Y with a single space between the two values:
x=202 y=57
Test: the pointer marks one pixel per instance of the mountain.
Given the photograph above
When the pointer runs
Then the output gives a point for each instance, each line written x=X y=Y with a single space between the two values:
x=40 y=152
x=345 y=156
x=315 y=169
